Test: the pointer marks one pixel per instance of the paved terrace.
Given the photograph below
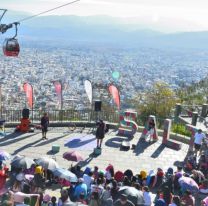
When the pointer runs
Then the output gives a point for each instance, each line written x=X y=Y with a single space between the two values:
x=145 y=156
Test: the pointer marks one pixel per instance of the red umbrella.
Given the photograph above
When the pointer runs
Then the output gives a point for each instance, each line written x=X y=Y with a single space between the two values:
x=73 y=156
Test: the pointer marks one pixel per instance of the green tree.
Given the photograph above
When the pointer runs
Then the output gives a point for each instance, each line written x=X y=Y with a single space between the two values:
x=159 y=101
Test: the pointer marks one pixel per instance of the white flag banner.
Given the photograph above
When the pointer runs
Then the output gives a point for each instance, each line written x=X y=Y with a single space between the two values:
x=88 y=89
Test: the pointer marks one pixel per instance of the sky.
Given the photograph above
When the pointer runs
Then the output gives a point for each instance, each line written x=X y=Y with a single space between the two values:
x=165 y=15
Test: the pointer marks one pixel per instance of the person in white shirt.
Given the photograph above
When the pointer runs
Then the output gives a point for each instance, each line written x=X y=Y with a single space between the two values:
x=198 y=139
x=147 y=196
x=88 y=180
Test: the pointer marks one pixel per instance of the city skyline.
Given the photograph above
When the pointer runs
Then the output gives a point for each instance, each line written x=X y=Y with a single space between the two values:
x=166 y=16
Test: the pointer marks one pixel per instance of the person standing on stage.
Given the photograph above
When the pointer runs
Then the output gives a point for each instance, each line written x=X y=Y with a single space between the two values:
x=44 y=125
x=100 y=133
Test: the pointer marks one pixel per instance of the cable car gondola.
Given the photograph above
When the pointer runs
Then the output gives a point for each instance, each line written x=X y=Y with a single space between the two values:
x=11 y=46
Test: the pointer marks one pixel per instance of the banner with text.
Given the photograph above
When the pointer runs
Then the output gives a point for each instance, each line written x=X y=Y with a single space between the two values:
x=116 y=95
x=28 y=89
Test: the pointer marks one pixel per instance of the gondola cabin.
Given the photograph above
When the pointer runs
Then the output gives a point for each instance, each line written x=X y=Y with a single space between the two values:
x=11 y=47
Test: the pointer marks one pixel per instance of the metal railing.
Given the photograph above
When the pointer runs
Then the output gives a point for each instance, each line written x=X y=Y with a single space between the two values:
x=58 y=116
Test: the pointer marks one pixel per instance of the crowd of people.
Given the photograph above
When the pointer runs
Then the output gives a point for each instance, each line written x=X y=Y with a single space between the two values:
x=183 y=186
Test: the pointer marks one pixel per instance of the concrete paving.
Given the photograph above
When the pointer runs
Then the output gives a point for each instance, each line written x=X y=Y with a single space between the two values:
x=144 y=157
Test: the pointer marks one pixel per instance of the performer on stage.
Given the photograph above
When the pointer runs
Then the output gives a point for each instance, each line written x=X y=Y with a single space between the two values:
x=100 y=132
x=44 y=125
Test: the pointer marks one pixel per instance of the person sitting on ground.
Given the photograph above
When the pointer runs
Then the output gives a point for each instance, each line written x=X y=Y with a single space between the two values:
x=147 y=196
x=123 y=201
x=109 y=174
x=78 y=172
x=197 y=175
x=203 y=188
x=88 y=180
x=187 y=199
x=106 y=195
x=94 y=200
x=167 y=195
x=39 y=180
x=81 y=188
x=114 y=189
x=95 y=172
x=158 y=179
x=64 y=199
x=53 y=201
x=203 y=163
x=82 y=199
x=175 y=201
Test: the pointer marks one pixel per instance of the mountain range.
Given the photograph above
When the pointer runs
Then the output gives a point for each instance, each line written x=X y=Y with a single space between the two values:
x=101 y=29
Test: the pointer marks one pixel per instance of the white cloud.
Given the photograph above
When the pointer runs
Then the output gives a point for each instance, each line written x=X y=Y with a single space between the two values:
x=157 y=11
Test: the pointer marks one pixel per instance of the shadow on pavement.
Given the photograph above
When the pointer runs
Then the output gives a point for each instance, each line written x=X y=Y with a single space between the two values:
x=25 y=147
x=158 y=151
x=141 y=146
x=114 y=142
x=16 y=139
x=78 y=142
x=50 y=141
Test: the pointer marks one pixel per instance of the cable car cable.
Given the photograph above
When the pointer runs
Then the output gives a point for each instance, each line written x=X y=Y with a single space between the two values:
x=33 y=16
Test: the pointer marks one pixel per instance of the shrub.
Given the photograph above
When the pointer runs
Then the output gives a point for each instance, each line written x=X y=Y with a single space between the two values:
x=181 y=129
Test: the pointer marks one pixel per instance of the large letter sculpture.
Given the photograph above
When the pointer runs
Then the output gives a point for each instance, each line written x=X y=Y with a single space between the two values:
x=128 y=126
x=144 y=133
x=166 y=134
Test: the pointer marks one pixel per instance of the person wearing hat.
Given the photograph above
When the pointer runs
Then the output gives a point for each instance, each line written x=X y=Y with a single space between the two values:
x=123 y=201
x=198 y=139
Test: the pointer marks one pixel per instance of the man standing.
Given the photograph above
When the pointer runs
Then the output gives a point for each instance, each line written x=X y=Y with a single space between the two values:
x=198 y=140
x=44 y=125
x=100 y=133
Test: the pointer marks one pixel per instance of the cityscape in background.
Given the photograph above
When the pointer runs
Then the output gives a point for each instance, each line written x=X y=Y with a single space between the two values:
x=138 y=70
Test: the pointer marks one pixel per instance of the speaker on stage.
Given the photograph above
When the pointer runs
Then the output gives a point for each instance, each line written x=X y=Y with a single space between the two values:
x=25 y=113
x=98 y=104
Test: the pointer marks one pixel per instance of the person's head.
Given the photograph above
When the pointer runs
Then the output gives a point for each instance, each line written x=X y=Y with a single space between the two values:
x=95 y=168
x=64 y=195
x=45 y=114
x=146 y=188
x=199 y=131
x=90 y=173
x=187 y=193
x=179 y=168
x=123 y=199
x=137 y=186
x=115 y=184
x=80 y=180
x=53 y=199
x=176 y=200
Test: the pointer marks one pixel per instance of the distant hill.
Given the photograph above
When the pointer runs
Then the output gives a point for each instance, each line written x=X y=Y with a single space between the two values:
x=102 y=29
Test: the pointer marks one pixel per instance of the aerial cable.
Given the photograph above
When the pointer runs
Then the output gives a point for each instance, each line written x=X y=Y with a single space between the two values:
x=30 y=17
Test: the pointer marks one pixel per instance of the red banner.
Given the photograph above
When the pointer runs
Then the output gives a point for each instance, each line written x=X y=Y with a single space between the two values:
x=58 y=89
x=115 y=93
x=29 y=93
